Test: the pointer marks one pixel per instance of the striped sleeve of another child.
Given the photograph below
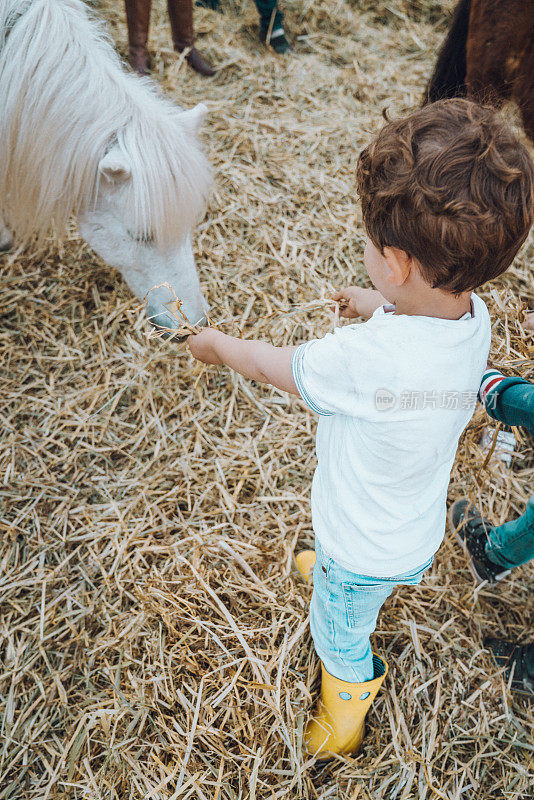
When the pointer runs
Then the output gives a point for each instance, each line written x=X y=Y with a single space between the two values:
x=490 y=381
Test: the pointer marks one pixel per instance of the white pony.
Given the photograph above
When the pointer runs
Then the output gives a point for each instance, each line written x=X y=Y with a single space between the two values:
x=79 y=135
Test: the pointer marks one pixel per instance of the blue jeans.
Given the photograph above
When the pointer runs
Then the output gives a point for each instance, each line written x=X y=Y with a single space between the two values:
x=343 y=613
x=512 y=544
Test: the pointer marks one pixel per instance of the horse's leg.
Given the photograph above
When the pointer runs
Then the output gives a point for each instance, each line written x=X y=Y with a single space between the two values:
x=500 y=55
x=526 y=107
x=448 y=78
x=524 y=89
x=487 y=48
x=6 y=240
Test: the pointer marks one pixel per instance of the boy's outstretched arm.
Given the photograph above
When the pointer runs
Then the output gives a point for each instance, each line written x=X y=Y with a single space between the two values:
x=258 y=361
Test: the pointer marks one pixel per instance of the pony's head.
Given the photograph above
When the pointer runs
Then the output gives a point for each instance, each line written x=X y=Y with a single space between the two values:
x=144 y=210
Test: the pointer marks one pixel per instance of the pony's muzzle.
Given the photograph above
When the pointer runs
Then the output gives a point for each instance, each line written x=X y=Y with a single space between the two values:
x=166 y=325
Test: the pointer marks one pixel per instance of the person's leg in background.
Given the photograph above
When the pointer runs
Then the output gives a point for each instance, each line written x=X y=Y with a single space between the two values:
x=509 y=400
x=213 y=5
x=181 y=18
x=271 y=22
x=138 y=22
x=492 y=553
x=512 y=544
x=493 y=550
x=183 y=35
x=271 y=25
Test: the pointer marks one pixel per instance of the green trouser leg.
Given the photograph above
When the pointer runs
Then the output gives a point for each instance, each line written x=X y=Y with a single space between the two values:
x=265 y=10
x=512 y=544
x=512 y=402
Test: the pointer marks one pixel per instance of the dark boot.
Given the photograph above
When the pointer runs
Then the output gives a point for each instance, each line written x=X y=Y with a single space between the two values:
x=472 y=532
x=518 y=657
x=272 y=25
x=138 y=20
x=183 y=35
x=276 y=38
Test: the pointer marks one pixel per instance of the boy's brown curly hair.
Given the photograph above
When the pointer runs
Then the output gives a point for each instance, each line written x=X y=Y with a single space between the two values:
x=453 y=187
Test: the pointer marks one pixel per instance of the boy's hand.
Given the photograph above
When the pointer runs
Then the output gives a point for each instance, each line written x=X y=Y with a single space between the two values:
x=202 y=346
x=354 y=301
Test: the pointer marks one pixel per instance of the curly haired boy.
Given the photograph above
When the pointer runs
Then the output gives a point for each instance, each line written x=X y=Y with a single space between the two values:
x=447 y=196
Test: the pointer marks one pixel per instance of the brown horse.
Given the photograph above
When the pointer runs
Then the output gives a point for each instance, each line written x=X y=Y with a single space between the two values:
x=488 y=56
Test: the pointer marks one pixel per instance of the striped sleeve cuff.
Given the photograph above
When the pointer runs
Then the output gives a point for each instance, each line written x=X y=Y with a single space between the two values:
x=297 y=368
x=490 y=381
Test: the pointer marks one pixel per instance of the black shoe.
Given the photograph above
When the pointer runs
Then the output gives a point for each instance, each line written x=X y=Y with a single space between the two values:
x=518 y=657
x=472 y=532
x=277 y=39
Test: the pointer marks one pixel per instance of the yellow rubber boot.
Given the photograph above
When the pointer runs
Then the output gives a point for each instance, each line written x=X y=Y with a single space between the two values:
x=305 y=561
x=337 y=725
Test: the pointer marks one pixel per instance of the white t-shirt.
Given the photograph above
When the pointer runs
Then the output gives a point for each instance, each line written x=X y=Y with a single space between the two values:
x=394 y=394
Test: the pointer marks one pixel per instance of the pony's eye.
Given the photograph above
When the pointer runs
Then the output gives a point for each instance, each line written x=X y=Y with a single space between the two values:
x=143 y=238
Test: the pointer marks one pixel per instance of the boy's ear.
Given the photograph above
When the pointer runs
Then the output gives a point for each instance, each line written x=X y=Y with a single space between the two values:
x=399 y=263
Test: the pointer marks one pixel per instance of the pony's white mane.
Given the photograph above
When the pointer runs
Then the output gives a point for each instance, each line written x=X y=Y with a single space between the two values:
x=64 y=99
